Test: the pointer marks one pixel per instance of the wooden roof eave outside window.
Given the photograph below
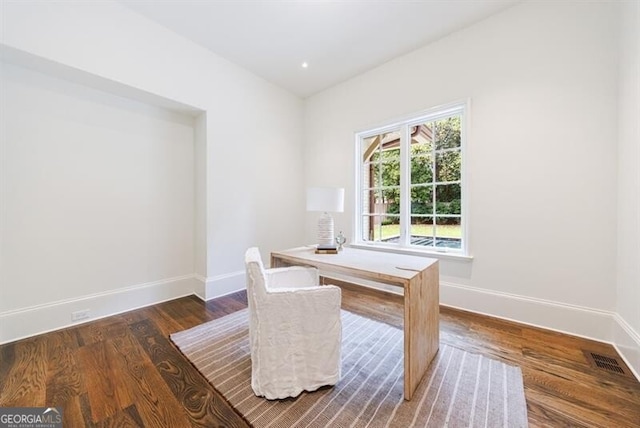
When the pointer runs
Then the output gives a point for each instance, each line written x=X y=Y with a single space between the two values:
x=420 y=131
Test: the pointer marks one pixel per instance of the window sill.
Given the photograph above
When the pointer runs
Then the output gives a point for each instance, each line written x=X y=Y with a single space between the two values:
x=414 y=252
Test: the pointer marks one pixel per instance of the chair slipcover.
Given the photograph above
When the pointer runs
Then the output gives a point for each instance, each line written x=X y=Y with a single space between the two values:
x=295 y=331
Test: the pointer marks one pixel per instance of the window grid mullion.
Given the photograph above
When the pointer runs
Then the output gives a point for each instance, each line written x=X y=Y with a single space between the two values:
x=438 y=183
x=433 y=185
x=405 y=192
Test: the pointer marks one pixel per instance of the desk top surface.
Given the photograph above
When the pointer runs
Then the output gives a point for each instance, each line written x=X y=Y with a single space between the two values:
x=365 y=263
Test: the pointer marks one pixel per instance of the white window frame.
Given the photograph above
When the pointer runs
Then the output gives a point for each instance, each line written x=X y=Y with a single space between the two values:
x=403 y=125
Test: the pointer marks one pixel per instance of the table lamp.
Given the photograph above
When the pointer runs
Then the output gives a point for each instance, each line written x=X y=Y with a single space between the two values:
x=325 y=200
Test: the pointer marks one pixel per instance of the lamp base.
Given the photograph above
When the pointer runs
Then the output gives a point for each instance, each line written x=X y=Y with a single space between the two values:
x=325 y=230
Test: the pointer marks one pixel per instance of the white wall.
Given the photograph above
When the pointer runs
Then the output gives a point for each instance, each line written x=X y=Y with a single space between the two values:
x=251 y=129
x=627 y=334
x=541 y=77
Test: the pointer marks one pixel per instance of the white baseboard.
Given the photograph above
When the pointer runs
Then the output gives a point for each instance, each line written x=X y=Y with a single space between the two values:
x=571 y=319
x=576 y=320
x=627 y=343
x=220 y=285
x=25 y=322
x=200 y=288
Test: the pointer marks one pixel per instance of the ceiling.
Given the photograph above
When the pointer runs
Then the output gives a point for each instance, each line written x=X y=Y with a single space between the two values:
x=338 y=39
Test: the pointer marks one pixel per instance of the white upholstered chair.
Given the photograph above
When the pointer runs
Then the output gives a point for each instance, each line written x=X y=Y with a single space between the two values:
x=295 y=329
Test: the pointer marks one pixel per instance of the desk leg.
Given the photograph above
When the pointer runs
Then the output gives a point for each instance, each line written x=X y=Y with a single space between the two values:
x=421 y=326
x=276 y=262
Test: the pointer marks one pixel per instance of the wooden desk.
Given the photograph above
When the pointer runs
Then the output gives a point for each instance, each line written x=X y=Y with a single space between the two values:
x=419 y=278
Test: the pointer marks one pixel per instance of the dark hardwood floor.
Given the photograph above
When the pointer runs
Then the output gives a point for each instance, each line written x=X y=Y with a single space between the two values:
x=124 y=371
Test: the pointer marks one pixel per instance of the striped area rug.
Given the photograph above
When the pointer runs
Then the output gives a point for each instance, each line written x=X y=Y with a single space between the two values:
x=459 y=390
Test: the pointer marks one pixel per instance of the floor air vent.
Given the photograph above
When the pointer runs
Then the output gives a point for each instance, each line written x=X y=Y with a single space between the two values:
x=607 y=362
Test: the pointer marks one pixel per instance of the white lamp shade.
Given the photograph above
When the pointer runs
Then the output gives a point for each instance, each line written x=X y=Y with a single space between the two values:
x=325 y=199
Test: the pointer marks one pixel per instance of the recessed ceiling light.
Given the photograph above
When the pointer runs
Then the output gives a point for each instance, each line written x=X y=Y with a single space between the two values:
x=305 y=65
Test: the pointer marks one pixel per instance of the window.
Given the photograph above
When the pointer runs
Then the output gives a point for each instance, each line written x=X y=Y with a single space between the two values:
x=410 y=183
